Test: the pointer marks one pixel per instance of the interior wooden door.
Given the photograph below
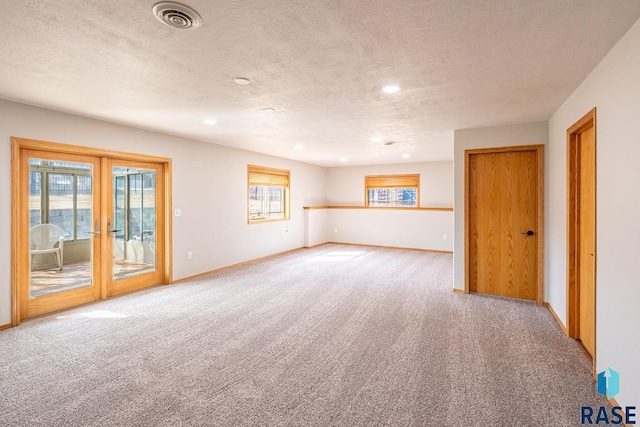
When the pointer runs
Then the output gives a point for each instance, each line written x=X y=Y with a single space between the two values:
x=587 y=239
x=503 y=224
x=135 y=225
x=59 y=196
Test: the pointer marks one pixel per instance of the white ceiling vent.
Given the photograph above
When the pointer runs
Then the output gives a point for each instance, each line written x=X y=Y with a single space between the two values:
x=177 y=15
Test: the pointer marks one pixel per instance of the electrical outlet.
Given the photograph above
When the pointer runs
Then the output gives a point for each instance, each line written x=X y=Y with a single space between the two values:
x=445 y=237
x=335 y=230
x=178 y=212
x=189 y=255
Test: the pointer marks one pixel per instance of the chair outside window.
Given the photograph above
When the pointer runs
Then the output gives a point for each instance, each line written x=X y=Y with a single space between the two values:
x=47 y=239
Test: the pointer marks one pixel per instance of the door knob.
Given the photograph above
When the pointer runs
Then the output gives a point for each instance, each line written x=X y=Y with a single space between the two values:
x=528 y=233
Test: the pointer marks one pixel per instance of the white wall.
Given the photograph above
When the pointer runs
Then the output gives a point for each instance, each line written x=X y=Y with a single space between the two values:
x=316 y=226
x=213 y=224
x=614 y=88
x=396 y=228
x=490 y=137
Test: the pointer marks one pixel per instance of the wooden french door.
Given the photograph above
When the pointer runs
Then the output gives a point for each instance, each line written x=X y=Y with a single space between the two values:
x=60 y=200
x=581 y=231
x=134 y=241
x=503 y=224
x=87 y=225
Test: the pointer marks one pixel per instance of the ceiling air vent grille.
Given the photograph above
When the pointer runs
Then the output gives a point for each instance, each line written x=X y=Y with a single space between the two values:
x=177 y=15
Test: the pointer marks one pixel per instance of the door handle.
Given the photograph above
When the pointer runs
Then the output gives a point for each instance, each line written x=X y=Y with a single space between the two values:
x=528 y=233
x=96 y=229
x=109 y=230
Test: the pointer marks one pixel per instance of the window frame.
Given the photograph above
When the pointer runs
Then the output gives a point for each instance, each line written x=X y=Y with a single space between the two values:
x=262 y=176
x=391 y=181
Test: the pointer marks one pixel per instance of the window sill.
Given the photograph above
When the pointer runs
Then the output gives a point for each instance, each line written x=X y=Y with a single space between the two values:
x=262 y=221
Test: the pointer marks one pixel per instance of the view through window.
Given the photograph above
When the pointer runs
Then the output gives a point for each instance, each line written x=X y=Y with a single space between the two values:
x=60 y=194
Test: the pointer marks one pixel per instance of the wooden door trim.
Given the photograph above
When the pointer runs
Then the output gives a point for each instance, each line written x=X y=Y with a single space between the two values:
x=89 y=151
x=18 y=219
x=573 y=307
x=16 y=224
x=539 y=149
x=104 y=175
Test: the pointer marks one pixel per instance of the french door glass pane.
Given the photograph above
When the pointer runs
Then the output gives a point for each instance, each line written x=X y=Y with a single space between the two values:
x=134 y=222
x=60 y=217
x=83 y=207
x=35 y=198
x=61 y=201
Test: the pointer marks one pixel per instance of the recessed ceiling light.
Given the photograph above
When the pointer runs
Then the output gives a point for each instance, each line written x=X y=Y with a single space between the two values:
x=242 y=81
x=376 y=139
x=391 y=89
x=343 y=160
x=405 y=156
x=269 y=110
x=298 y=147
x=209 y=122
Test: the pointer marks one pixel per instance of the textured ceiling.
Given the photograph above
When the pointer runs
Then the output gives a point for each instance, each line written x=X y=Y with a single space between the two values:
x=321 y=65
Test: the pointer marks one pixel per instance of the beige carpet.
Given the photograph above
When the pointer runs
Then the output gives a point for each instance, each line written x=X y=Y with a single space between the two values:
x=332 y=336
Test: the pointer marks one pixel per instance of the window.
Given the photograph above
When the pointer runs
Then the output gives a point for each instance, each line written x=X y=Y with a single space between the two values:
x=268 y=194
x=392 y=190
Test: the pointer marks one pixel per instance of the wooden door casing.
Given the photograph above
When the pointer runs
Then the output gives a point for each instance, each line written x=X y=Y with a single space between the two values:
x=581 y=233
